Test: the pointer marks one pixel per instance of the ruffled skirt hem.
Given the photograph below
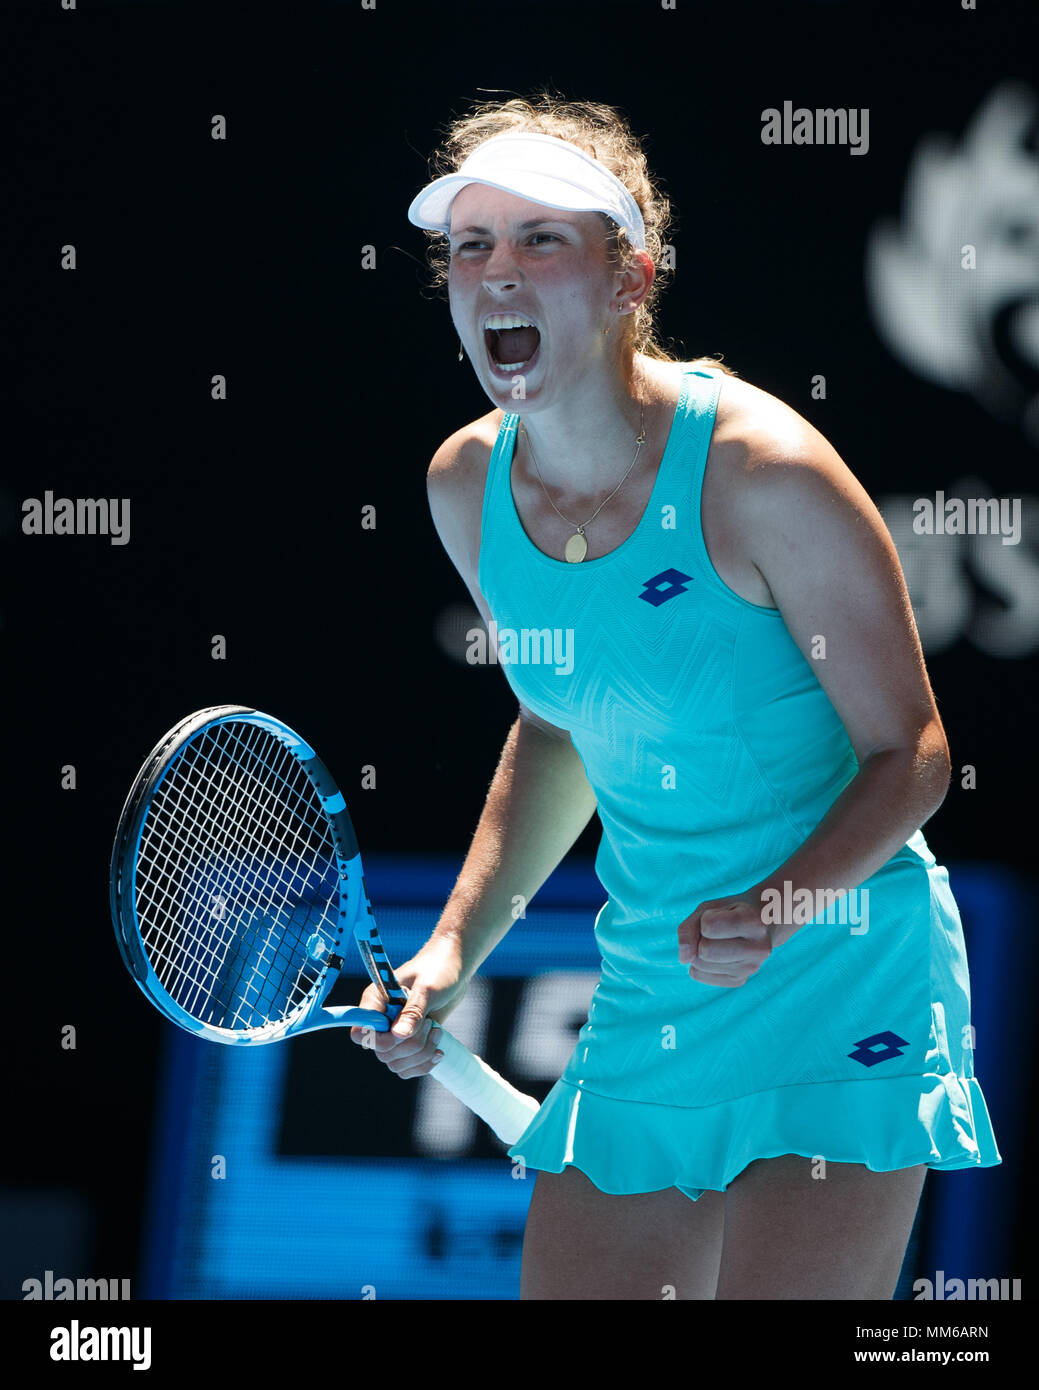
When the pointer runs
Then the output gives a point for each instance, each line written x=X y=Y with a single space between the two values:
x=626 y=1146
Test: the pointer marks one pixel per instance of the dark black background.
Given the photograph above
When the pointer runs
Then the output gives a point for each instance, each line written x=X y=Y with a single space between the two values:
x=242 y=257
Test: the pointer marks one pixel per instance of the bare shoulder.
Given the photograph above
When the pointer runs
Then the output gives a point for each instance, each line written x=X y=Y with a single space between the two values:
x=769 y=473
x=752 y=426
x=455 y=481
x=465 y=453
x=770 y=456
x=782 y=493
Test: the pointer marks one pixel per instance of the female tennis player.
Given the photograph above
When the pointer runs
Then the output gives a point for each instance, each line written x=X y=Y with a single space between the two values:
x=779 y=1045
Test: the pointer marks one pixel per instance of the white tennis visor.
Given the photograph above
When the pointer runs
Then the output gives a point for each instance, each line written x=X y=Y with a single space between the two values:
x=540 y=168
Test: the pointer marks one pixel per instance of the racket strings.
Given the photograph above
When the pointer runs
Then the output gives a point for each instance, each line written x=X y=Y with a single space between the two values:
x=256 y=966
x=205 y=828
x=236 y=880
x=190 y=835
x=261 y=965
x=192 y=828
x=212 y=827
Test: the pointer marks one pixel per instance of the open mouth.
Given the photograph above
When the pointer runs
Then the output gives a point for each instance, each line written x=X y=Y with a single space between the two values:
x=512 y=341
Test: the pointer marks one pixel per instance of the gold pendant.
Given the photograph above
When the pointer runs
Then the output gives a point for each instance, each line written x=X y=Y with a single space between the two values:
x=576 y=548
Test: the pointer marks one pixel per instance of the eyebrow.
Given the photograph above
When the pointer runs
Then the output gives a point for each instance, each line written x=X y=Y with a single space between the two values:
x=523 y=226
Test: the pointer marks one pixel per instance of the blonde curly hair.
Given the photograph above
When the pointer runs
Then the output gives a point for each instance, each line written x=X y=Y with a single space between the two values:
x=602 y=132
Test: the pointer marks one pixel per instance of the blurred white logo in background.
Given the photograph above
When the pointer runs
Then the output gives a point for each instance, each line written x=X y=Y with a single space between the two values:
x=954 y=284
x=968 y=586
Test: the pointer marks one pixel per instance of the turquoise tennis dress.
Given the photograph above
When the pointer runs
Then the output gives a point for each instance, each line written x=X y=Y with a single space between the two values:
x=714 y=752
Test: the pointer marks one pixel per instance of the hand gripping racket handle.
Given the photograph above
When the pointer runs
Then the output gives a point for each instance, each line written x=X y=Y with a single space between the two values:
x=478 y=1086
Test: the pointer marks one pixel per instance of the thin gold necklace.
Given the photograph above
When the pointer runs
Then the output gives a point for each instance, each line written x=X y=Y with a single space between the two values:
x=577 y=546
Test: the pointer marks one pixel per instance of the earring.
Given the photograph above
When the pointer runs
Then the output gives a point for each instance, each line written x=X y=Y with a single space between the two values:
x=461 y=354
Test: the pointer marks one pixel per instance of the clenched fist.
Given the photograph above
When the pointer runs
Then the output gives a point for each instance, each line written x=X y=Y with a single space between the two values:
x=724 y=941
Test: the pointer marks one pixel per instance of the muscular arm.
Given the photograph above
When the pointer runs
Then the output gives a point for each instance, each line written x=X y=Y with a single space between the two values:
x=822 y=548
x=830 y=563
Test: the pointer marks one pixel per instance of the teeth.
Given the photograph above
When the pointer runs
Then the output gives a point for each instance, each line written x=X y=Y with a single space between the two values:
x=511 y=366
x=500 y=321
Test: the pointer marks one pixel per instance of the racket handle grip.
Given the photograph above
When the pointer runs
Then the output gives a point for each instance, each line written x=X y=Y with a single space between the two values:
x=482 y=1090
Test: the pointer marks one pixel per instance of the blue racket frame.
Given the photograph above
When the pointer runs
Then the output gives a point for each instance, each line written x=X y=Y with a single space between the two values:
x=354 y=918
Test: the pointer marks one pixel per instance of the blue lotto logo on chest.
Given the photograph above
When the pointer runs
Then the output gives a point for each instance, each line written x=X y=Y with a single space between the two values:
x=675 y=582
x=881 y=1047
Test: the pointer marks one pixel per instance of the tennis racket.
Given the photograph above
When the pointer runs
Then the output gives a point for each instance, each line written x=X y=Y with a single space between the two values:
x=236 y=888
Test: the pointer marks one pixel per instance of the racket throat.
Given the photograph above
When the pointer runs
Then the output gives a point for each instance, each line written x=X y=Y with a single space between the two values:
x=394 y=996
